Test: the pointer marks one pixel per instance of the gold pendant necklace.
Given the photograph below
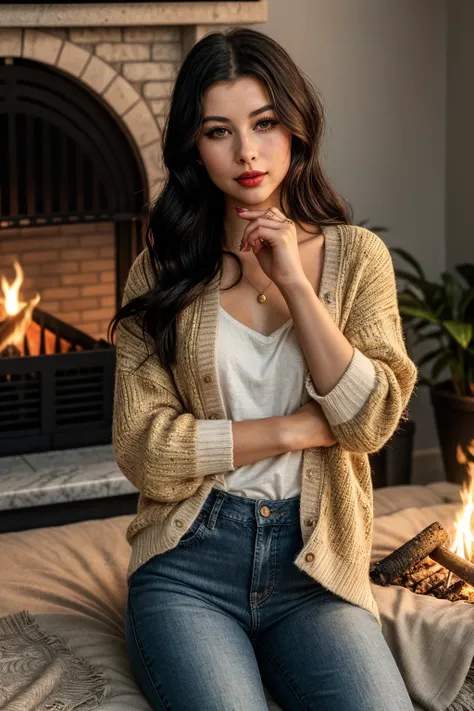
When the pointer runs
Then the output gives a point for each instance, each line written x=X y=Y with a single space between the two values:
x=261 y=298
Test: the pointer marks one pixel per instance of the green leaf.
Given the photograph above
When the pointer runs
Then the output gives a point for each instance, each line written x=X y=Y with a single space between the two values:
x=408 y=258
x=449 y=289
x=429 y=356
x=467 y=272
x=461 y=332
x=410 y=298
x=440 y=364
x=418 y=313
x=423 y=339
x=422 y=325
x=466 y=299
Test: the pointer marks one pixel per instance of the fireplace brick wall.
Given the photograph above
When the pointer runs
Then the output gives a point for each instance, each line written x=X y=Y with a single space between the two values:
x=72 y=267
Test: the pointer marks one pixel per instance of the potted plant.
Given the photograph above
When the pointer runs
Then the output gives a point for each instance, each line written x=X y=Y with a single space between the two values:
x=443 y=312
x=392 y=465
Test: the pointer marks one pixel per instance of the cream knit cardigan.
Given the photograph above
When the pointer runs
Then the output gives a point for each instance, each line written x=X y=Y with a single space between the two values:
x=172 y=441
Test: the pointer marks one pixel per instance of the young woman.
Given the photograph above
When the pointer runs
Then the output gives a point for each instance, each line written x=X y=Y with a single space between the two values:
x=260 y=358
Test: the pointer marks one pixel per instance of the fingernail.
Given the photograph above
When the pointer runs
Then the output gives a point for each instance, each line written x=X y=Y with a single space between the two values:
x=240 y=209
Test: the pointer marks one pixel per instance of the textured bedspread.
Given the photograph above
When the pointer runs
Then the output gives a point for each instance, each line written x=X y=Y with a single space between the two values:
x=72 y=580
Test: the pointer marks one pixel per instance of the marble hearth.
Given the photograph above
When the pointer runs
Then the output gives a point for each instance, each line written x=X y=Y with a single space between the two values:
x=59 y=477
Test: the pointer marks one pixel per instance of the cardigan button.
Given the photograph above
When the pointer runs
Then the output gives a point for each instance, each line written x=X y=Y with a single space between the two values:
x=310 y=473
x=309 y=557
x=309 y=522
x=178 y=523
x=213 y=416
x=329 y=297
x=208 y=378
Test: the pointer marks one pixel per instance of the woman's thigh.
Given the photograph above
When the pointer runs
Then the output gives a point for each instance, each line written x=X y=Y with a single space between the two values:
x=185 y=652
x=329 y=655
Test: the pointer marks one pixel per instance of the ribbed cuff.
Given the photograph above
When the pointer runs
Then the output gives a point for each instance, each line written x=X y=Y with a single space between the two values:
x=214 y=446
x=350 y=394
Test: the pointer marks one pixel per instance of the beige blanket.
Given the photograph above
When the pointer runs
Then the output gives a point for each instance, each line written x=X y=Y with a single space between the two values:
x=71 y=579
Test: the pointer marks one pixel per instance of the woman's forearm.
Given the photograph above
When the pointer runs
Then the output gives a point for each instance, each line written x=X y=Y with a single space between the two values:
x=259 y=439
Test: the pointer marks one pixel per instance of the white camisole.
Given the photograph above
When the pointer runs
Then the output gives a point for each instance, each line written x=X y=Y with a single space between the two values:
x=261 y=376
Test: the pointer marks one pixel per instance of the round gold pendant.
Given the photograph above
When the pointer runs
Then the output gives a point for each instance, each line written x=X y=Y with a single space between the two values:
x=261 y=298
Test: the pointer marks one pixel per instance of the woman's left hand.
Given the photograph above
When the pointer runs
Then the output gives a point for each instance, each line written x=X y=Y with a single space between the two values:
x=274 y=242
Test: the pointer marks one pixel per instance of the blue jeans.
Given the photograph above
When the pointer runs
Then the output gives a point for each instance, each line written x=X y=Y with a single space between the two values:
x=226 y=611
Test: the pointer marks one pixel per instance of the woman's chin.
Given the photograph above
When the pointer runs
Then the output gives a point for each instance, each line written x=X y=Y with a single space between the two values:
x=250 y=196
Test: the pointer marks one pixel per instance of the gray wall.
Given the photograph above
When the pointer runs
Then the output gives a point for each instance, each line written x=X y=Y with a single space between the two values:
x=460 y=133
x=380 y=66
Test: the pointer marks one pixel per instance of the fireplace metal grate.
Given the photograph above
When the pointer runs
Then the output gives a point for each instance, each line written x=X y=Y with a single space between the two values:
x=59 y=400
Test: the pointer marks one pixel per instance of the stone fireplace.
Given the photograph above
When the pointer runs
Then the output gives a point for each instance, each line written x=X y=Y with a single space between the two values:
x=83 y=95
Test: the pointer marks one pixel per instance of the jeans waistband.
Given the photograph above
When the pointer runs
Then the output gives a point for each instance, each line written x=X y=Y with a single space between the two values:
x=268 y=512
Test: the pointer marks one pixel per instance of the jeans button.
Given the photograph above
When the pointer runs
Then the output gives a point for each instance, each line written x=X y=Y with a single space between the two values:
x=265 y=511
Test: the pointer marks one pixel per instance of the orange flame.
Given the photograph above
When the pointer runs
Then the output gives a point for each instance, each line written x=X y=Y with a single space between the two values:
x=17 y=315
x=11 y=302
x=464 y=525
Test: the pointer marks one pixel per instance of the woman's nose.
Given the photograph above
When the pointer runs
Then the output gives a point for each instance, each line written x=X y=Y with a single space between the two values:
x=246 y=151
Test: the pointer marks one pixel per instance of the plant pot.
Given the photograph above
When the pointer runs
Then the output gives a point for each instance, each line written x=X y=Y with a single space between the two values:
x=392 y=465
x=454 y=415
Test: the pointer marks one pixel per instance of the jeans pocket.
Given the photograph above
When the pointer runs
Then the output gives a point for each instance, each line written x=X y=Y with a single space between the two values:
x=196 y=531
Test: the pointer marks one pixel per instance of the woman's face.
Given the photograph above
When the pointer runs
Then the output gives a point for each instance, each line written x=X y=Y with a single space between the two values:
x=236 y=141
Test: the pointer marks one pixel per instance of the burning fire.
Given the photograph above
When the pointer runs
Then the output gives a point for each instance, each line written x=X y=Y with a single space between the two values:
x=464 y=524
x=16 y=315
x=10 y=291
x=20 y=335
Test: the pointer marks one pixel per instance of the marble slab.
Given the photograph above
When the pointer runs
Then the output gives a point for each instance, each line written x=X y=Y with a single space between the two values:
x=60 y=476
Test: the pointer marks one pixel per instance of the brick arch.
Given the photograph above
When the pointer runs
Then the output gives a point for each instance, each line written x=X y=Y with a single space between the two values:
x=102 y=79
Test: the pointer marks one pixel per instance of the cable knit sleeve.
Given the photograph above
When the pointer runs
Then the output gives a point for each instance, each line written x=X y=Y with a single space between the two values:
x=365 y=407
x=154 y=439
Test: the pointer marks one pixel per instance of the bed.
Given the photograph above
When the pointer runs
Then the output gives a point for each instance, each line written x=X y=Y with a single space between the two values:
x=71 y=580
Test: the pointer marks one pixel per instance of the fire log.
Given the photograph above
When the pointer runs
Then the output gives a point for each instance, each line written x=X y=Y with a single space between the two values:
x=461 y=567
x=392 y=566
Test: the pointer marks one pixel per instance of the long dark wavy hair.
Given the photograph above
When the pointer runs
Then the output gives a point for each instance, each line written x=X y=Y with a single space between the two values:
x=185 y=228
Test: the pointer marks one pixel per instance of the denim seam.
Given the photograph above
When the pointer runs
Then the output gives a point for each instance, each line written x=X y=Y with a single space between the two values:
x=282 y=674
x=274 y=565
x=145 y=666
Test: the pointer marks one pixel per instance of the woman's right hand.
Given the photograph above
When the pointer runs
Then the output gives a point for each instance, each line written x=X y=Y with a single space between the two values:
x=308 y=427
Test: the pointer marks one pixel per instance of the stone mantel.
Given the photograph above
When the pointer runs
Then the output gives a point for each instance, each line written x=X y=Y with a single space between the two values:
x=133 y=14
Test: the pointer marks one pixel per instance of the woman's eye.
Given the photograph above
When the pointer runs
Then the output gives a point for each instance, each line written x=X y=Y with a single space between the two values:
x=268 y=125
x=214 y=132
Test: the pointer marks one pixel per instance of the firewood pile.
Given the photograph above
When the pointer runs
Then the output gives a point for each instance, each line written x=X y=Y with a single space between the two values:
x=426 y=566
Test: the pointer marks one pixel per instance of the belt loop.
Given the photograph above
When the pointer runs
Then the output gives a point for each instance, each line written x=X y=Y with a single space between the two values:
x=212 y=520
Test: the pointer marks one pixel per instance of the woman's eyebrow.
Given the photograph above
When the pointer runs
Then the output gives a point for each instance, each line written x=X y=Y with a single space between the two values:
x=267 y=107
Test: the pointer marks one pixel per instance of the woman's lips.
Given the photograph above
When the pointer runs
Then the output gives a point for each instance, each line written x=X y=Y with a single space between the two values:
x=251 y=182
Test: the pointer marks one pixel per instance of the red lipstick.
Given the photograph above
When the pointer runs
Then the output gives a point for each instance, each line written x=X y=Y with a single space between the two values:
x=250 y=178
